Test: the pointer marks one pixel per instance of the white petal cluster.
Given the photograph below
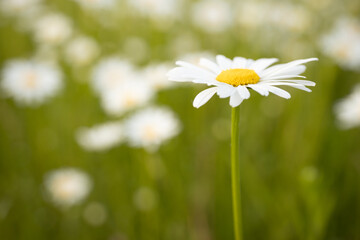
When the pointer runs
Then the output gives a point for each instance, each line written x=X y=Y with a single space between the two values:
x=270 y=77
x=111 y=73
x=100 y=137
x=67 y=186
x=156 y=8
x=150 y=127
x=348 y=110
x=132 y=94
x=52 y=29
x=30 y=82
x=342 y=43
x=212 y=16
x=96 y=4
x=81 y=51
x=120 y=87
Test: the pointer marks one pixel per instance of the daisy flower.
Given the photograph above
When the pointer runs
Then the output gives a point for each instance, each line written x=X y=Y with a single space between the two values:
x=110 y=73
x=52 y=29
x=81 y=51
x=342 y=43
x=67 y=186
x=150 y=127
x=100 y=137
x=212 y=16
x=347 y=110
x=234 y=78
x=129 y=95
x=30 y=82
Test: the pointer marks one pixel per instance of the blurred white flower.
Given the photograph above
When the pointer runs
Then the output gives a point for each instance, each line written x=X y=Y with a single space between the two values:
x=212 y=16
x=81 y=51
x=96 y=4
x=342 y=43
x=17 y=7
x=67 y=186
x=130 y=94
x=52 y=29
x=156 y=8
x=110 y=73
x=145 y=199
x=30 y=82
x=100 y=137
x=282 y=15
x=156 y=76
x=150 y=127
x=289 y=16
x=347 y=110
x=95 y=214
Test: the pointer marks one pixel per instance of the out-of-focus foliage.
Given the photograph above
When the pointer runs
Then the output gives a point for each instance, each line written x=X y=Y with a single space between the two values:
x=82 y=156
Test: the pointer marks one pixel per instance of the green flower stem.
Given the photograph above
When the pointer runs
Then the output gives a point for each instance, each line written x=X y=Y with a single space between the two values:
x=235 y=172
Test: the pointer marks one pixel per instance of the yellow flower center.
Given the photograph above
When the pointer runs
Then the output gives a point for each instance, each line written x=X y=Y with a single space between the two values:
x=30 y=80
x=150 y=133
x=238 y=77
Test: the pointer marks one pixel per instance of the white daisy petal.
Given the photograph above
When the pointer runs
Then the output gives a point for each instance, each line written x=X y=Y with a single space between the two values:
x=206 y=81
x=294 y=85
x=249 y=62
x=235 y=99
x=291 y=71
x=239 y=62
x=204 y=96
x=301 y=61
x=287 y=68
x=183 y=74
x=302 y=82
x=260 y=89
x=260 y=64
x=210 y=65
x=243 y=91
x=278 y=91
x=283 y=77
x=224 y=62
x=176 y=74
x=225 y=91
x=194 y=68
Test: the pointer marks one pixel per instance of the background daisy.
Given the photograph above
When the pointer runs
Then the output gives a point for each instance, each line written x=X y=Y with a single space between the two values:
x=67 y=186
x=30 y=82
x=150 y=127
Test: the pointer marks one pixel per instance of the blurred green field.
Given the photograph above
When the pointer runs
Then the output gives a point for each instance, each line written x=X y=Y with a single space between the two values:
x=300 y=171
